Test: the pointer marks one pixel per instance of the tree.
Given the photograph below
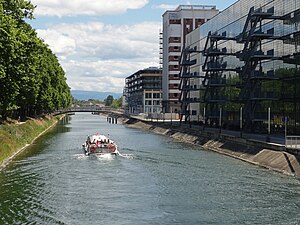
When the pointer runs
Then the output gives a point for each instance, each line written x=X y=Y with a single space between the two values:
x=109 y=100
x=117 y=103
x=31 y=78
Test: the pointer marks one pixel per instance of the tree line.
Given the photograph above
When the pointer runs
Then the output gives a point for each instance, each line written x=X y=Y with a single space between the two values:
x=108 y=101
x=32 y=81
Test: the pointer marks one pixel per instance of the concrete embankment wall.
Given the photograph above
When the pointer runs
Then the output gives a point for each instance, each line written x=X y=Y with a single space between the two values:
x=259 y=153
x=15 y=137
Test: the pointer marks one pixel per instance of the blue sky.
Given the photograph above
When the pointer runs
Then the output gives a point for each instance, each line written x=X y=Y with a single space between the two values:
x=101 y=42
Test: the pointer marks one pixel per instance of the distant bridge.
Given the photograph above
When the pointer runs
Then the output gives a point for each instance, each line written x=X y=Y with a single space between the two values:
x=88 y=109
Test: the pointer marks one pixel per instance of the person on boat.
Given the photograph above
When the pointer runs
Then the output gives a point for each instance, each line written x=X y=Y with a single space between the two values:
x=98 y=144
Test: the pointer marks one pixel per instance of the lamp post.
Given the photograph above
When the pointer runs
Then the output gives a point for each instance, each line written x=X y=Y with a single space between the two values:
x=204 y=117
x=269 y=125
x=220 y=121
x=241 y=122
x=286 y=119
x=163 y=114
x=171 y=115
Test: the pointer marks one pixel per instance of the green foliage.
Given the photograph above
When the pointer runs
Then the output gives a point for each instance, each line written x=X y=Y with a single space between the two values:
x=109 y=100
x=117 y=103
x=232 y=94
x=15 y=136
x=83 y=103
x=31 y=78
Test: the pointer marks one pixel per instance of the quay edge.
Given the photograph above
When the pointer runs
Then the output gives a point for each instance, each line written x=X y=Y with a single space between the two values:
x=268 y=155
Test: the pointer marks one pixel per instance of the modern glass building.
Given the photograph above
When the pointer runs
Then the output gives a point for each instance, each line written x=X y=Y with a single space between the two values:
x=240 y=69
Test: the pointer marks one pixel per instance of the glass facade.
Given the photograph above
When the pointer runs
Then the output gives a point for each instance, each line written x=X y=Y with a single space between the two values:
x=247 y=56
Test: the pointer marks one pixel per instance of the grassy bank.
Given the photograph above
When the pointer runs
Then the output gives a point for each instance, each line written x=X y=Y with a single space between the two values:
x=15 y=136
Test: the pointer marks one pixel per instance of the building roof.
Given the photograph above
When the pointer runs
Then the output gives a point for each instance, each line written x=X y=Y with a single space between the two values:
x=154 y=70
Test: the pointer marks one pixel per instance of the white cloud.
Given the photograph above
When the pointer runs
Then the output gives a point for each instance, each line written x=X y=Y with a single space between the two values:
x=98 y=57
x=85 y=7
x=100 y=75
x=60 y=44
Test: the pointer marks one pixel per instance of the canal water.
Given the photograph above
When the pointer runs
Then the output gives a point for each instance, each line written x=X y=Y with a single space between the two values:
x=158 y=181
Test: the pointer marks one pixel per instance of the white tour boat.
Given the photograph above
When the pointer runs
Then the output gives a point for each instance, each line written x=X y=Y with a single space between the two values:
x=99 y=144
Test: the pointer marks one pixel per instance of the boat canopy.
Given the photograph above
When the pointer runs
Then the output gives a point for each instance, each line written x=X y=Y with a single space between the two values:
x=98 y=137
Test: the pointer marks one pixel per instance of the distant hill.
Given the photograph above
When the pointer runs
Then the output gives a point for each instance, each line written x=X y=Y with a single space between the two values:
x=86 y=95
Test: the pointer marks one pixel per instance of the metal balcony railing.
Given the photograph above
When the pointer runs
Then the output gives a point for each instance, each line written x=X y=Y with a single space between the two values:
x=292 y=142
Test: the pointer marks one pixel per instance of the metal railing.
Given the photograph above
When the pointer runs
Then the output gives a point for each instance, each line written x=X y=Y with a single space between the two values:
x=84 y=109
x=292 y=142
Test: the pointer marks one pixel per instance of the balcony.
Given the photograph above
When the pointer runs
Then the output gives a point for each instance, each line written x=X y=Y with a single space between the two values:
x=216 y=99
x=262 y=96
x=188 y=62
x=221 y=82
x=259 y=75
x=215 y=66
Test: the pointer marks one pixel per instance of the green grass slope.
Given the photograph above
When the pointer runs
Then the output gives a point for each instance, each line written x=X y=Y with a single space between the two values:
x=14 y=136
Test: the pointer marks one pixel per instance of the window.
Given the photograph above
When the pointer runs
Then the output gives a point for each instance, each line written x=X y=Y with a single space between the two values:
x=148 y=95
x=175 y=21
x=156 y=102
x=156 y=95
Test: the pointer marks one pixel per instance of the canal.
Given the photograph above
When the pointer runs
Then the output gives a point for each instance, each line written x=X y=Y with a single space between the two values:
x=158 y=182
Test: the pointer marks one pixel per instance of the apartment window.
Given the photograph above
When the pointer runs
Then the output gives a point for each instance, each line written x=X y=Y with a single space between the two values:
x=156 y=102
x=174 y=39
x=174 y=49
x=156 y=95
x=199 y=22
x=148 y=95
x=175 y=21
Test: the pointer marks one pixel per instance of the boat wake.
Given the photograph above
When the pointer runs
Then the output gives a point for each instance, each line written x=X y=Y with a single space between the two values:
x=80 y=156
x=105 y=157
x=126 y=156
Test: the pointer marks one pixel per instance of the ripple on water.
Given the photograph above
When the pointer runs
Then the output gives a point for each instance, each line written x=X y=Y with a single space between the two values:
x=162 y=183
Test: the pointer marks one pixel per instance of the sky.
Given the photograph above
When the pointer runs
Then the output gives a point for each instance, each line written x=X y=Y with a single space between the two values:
x=101 y=42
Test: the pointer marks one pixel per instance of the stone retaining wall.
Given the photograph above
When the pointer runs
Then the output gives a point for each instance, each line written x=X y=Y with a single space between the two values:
x=259 y=153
